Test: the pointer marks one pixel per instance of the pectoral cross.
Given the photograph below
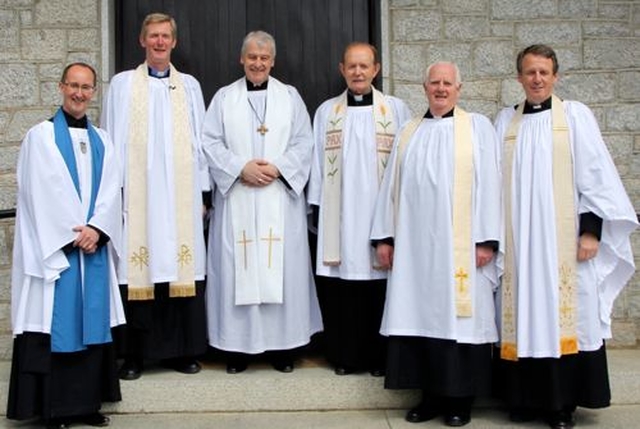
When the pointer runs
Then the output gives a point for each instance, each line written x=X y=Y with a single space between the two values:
x=244 y=243
x=262 y=129
x=83 y=147
x=270 y=239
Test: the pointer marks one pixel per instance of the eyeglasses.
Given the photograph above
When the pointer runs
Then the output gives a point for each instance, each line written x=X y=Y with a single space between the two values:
x=87 y=89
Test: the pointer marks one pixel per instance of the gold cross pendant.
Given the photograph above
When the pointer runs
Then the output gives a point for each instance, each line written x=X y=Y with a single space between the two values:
x=262 y=129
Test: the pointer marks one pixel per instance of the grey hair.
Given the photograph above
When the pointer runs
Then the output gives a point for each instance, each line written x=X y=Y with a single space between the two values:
x=262 y=38
x=437 y=63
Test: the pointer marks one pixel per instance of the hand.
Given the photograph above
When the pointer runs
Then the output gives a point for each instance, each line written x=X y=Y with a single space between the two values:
x=87 y=238
x=384 y=253
x=587 y=247
x=259 y=173
x=484 y=255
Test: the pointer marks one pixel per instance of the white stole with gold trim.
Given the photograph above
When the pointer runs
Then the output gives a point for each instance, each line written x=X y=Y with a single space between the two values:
x=565 y=220
x=140 y=286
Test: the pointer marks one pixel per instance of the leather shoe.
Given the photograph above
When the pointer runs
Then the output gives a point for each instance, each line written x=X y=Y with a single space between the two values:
x=343 y=370
x=186 y=366
x=131 y=369
x=377 y=372
x=421 y=413
x=561 y=420
x=57 y=423
x=285 y=366
x=236 y=367
x=456 y=420
x=95 y=419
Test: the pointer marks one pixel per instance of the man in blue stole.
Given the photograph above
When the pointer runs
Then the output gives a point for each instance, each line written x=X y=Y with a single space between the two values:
x=65 y=297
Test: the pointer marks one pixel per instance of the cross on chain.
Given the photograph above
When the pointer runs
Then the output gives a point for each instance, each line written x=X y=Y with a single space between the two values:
x=262 y=129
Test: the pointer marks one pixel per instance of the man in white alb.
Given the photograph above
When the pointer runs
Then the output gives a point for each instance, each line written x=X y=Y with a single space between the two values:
x=258 y=142
x=353 y=135
x=154 y=114
x=64 y=290
x=437 y=227
x=567 y=249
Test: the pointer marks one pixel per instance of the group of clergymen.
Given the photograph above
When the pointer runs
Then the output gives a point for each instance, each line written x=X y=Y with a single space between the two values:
x=454 y=255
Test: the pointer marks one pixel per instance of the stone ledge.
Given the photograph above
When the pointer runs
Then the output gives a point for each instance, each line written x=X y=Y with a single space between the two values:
x=311 y=387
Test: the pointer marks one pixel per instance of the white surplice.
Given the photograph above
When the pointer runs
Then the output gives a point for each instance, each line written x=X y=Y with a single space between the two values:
x=257 y=328
x=359 y=187
x=421 y=299
x=598 y=189
x=161 y=210
x=48 y=208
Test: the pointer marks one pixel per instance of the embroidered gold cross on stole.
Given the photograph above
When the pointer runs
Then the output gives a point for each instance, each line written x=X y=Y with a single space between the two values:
x=244 y=243
x=270 y=239
x=463 y=299
x=262 y=129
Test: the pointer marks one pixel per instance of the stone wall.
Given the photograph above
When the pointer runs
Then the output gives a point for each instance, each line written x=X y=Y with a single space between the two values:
x=37 y=39
x=597 y=43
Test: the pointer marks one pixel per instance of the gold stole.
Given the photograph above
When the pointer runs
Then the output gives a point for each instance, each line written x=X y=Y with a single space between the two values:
x=332 y=186
x=140 y=285
x=462 y=203
x=563 y=197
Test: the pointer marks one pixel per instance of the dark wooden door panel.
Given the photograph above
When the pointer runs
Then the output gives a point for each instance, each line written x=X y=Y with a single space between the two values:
x=310 y=37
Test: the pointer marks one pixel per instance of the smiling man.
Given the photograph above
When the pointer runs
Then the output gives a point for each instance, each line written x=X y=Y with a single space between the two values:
x=64 y=292
x=154 y=114
x=353 y=135
x=568 y=221
x=437 y=228
x=257 y=140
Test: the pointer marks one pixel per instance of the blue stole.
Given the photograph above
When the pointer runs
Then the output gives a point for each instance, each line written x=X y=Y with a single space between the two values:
x=79 y=321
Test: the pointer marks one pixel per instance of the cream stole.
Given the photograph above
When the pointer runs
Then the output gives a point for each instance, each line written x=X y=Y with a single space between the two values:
x=332 y=185
x=140 y=284
x=563 y=191
x=463 y=251
x=257 y=214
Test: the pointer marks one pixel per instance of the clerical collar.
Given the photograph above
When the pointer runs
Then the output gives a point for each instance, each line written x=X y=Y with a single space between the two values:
x=449 y=114
x=159 y=74
x=359 y=100
x=253 y=87
x=536 y=108
x=73 y=122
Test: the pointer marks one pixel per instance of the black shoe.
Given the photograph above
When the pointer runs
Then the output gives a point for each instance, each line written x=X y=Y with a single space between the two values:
x=421 y=413
x=57 y=423
x=344 y=370
x=131 y=369
x=234 y=367
x=95 y=419
x=184 y=365
x=377 y=372
x=457 y=420
x=561 y=420
x=284 y=365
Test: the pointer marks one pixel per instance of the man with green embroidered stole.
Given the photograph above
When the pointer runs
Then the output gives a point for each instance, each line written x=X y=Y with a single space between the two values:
x=567 y=250
x=154 y=114
x=257 y=139
x=437 y=227
x=65 y=296
x=353 y=135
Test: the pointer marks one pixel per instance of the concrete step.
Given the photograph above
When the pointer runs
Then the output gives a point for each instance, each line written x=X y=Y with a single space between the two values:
x=311 y=387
